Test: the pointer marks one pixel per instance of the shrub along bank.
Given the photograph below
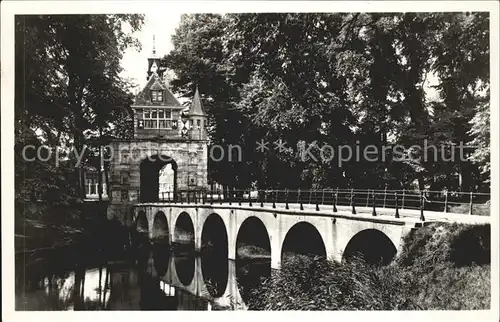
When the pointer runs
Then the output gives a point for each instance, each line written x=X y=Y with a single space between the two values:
x=440 y=267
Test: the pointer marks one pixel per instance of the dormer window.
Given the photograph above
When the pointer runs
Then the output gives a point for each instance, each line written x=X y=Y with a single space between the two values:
x=157 y=96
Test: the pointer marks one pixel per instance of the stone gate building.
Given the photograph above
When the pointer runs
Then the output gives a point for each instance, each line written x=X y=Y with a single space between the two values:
x=168 y=153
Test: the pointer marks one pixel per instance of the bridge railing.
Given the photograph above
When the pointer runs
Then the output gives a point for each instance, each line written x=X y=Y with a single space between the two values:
x=424 y=200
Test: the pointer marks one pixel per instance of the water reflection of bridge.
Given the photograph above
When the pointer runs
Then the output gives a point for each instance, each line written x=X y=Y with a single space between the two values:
x=202 y=276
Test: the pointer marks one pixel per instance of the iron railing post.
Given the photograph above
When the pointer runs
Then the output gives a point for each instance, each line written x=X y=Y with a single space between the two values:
x=374 y=212
x=470 y=204
x=299 y=200
x=316 y=200
x=250 y=197
x=274 y=199
x=335 y=197
x=286 y=199
x=385 y=195
x=397 y=206
x=445 y=201
x=422 y=218
x=403 y=200
x=353 y=211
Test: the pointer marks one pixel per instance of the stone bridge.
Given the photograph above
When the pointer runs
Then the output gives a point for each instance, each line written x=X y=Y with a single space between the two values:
x=336 y=235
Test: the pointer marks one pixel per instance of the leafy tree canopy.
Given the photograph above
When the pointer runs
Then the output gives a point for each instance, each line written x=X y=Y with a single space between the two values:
x=338 y=79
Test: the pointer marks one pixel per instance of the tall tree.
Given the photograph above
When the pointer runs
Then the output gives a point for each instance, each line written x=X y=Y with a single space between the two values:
x=67 y=76
x=336 y=79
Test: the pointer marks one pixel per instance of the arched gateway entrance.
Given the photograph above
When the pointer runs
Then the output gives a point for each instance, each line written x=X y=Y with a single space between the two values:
x=178 y=138
x=158 y=178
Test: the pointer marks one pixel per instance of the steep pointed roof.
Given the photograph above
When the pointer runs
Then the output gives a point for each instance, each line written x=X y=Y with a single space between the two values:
x=155 y=83
x=196 y=106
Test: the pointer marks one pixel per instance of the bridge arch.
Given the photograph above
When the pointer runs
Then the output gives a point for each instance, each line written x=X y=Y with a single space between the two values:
x=184 y=230
x=141 y=222
x=303 y=238
x=141 y=228
x=214 y=254
x=214 y=233
x=161 y=258
x=183 y=243
x=252 y=232
x=160 y=231
x=252 y=255
x=152 y=172
x=185 y=264
x=130 y=217
x=372 y=246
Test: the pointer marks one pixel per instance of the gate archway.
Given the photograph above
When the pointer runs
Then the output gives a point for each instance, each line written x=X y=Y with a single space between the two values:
x=152 y=168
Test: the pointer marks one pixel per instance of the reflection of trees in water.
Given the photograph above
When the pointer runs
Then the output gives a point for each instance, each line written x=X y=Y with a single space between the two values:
x=81 y=301
x=152 y=296
x=125 y=285
x=81 y=289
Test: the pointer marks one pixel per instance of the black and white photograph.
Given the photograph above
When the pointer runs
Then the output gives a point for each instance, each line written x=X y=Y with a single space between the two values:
x=250 y=156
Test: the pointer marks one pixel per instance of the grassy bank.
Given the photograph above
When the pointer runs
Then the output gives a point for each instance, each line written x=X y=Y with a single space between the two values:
x=441 y=267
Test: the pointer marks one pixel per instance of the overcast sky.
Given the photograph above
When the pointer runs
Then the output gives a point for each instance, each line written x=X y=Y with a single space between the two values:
x=162 y=25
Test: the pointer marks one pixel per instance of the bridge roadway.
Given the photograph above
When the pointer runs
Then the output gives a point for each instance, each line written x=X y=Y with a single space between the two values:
x=338 y=230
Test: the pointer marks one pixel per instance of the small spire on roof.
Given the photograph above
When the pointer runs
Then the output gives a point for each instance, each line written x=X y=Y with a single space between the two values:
x=196 y=105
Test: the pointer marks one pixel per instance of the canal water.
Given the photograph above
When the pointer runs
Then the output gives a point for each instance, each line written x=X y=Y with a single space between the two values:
x=155 y=278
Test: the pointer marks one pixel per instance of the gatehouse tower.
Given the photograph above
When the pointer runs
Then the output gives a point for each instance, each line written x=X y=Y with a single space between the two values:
x=168 y=154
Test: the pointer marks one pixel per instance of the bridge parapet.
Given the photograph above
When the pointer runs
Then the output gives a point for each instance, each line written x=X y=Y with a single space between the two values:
x=439 y=205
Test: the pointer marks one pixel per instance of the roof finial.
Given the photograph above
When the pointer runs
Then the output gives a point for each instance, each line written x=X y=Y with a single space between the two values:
x=154 y=49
